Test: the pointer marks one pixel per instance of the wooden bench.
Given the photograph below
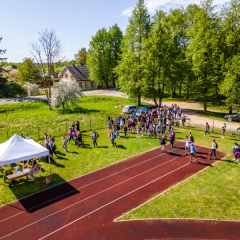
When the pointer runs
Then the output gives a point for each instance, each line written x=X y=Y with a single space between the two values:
x=15 y=176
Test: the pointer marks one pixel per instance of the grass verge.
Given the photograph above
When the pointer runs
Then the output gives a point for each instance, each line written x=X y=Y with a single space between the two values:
x=211 y=194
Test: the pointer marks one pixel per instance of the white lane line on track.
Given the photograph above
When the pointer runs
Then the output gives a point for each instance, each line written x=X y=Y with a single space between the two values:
x=82 y=187
x=86 y=198
x=112 y=202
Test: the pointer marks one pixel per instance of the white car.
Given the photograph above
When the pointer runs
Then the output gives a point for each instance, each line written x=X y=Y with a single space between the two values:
x=130 y=108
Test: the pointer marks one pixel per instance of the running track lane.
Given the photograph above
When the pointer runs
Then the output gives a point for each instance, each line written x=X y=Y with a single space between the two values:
x=104 y=195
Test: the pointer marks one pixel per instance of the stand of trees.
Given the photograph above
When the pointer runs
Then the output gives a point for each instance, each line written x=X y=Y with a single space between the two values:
x=195 y=50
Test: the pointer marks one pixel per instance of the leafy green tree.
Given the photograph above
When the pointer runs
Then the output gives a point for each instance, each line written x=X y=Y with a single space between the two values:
x=203 y=47
x=230 y=30
x=130 y=68
x=103 y=55
x=116 y=39
x=28 y=71
x=156 y=57
x=81 y=56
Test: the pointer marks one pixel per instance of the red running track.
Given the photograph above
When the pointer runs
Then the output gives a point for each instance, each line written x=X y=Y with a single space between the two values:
x=86 y=207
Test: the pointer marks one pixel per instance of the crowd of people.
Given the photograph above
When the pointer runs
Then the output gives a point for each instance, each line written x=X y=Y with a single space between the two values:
x=155 y=123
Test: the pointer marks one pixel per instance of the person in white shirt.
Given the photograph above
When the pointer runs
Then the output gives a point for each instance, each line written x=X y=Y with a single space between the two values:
x=214 y=148
x=223 y=130
x=188 y=142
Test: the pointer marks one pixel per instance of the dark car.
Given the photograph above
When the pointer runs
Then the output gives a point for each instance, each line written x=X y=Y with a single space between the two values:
x=235 y=117
x=145 y=109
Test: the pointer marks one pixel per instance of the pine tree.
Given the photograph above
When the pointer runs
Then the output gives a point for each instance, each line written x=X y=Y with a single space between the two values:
x=130 y=69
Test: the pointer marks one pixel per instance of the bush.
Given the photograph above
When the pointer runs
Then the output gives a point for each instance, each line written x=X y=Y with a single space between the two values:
x=32 y=89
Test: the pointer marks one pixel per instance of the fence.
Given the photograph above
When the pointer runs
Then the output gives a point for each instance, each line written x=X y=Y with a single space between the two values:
x=61 y=128
x=55 y=130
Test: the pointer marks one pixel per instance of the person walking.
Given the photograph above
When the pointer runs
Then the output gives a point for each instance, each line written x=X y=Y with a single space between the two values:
x=187 y=148
x=223 y=130
x=125 y=129
x=191 y=137
x=79 y=139
x=214 y=148
x=64 y=139
x=53 y=146
x=183 y=119
x=207 y=129
x=70 y=135
x=77 y=126
x=95 y=137
x=163 y=142
x=113 y=137
x=193 y=152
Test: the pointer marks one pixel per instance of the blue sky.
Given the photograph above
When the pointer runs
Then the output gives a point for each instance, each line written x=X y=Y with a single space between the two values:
x=75 y=21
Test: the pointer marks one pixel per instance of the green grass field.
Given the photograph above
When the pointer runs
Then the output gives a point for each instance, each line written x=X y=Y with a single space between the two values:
x=213 y=193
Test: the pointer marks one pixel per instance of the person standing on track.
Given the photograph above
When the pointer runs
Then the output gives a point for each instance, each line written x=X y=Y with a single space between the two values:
x=172 y=138
x=163 y=142
x=193 y=153
x=214 y=148
x=187 y=148
x=95 y=137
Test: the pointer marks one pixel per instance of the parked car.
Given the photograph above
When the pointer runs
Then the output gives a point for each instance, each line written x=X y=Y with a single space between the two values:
x=144 y=109
x=130 y=108
x=235 y=117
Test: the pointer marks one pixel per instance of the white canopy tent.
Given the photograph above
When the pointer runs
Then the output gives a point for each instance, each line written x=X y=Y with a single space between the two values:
x=17 y=149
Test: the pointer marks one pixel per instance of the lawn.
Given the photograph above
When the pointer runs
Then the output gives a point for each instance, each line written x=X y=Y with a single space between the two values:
x=34 y=118
x=211 y=194
x=190 y=199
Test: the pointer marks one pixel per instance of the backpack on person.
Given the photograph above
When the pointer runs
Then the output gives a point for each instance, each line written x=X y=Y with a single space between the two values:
x=216 y=145
x=191 y=138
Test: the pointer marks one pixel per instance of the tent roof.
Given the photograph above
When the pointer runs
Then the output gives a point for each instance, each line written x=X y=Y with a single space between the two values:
x=17 y=149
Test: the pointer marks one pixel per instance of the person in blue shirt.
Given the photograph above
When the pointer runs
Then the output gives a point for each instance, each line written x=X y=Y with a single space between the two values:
x=193 y=153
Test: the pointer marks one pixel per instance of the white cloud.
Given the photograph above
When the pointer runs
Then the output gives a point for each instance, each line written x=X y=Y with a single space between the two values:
x=127 y=12
x=21 y=51
x=78 y=43
x=153 y=5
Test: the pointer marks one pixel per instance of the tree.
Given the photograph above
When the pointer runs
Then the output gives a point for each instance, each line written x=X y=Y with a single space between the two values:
x=156 y=57
x=203 y=50
x=3 y=80
x=46 y=51
x=116 y=39
x=28 y=71
x=230 y=30
x=66 y=93
x=81 y=57
x=101 y=58
x=130 y=68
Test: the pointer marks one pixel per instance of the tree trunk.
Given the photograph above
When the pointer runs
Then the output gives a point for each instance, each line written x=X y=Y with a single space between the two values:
x=139 y=99
x=63 y=105
x=114 y=85
x=205 y=106
x=49 y=99
x=172 y=91
x=160 y=97
x=230 y=110
x=180 y=89
x=107 y=84
x=187 y=92
x=154 y=97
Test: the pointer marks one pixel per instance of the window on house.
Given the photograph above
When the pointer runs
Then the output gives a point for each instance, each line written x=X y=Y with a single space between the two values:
x=86 y=84
x=80 y=85
x=66 y=76
x=92 y=84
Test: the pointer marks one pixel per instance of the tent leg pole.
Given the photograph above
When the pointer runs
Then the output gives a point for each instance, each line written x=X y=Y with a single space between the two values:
x=50 y=167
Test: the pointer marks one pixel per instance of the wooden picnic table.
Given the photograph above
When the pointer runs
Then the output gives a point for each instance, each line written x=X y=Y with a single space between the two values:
x=14 y=176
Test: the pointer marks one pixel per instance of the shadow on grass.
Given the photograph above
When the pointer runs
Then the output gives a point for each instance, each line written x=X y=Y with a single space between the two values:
x=44 y=198
x=121 y=146
x=76 y=110
x=102 y=146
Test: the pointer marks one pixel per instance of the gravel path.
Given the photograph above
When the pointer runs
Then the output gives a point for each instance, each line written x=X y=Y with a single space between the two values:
x=195 y=119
